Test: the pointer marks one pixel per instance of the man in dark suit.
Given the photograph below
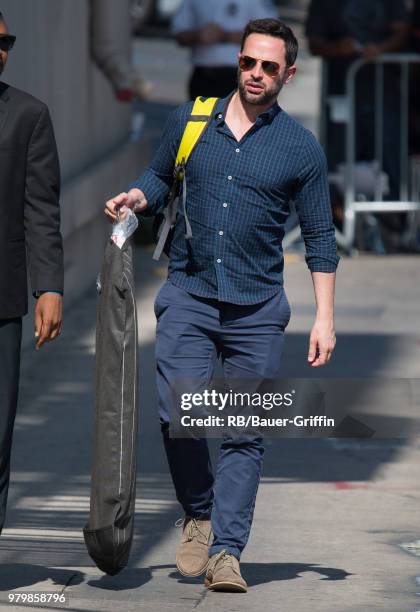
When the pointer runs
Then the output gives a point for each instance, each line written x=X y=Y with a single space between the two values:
x=29 y=226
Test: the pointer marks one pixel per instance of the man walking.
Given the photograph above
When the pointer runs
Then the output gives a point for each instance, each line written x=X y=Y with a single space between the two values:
x=224 y=295
x=341 y=31
x=29 y=192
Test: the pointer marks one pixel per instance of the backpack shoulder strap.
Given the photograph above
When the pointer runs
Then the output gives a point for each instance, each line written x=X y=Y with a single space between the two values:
x=197 y=123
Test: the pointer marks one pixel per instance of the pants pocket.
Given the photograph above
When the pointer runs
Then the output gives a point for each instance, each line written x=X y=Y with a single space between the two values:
x=160 y=303
x=284 y=309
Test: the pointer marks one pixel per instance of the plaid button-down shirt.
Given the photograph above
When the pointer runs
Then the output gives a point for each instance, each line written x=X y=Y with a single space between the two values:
x=238 y=196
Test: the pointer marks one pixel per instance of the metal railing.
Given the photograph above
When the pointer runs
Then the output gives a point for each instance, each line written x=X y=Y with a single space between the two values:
x=409 y=197
x=409 y=188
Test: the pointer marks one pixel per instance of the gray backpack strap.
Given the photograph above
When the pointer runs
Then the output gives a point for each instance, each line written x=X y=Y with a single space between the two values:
x=169 y=220
x=171 y=210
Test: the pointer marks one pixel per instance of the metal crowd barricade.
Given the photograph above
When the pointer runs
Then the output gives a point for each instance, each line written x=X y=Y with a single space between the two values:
x=409 y=196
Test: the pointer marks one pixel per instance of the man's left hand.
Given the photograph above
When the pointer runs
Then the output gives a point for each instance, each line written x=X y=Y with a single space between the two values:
x=321 y=342
x=48 y=317
x=211 y=34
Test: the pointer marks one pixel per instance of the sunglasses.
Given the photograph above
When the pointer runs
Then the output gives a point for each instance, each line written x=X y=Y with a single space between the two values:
x=6 y=42
x=247 y=63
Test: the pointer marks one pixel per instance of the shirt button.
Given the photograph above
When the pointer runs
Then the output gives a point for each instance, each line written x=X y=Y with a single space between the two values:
x=219 y=260
x=237 y=150
x=229 y=178
x=220 y=233
x=219 y=116
x=224 y=204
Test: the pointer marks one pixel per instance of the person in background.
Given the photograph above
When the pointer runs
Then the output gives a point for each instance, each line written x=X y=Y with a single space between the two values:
x=414 y=82
x=112 y=53
x=213 y=29
x=415 y=27
x=30 y=215
x=341 y=31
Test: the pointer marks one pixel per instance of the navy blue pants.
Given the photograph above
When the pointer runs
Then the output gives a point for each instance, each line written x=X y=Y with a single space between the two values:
x=192 y=333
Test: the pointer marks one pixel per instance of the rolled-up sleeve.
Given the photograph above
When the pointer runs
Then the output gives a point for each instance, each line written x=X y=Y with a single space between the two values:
x=156 y=180
x=312 y=201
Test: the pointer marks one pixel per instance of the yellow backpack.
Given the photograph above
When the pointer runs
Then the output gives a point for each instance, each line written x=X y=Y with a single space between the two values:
x=196 y=125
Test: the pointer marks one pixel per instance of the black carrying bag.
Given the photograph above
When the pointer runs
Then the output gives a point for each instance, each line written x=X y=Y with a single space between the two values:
x=109 y=532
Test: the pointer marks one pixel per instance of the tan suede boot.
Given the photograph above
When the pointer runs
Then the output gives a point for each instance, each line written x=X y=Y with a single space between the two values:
x=192 y=556
x=223 y=574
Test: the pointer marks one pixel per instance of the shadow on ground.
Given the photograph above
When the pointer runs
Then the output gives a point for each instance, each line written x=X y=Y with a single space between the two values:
x=52 y=448
x=261 y=573
x=20 y=575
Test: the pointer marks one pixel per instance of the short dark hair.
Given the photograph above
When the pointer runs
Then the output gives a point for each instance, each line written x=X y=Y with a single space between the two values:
x=276 y=28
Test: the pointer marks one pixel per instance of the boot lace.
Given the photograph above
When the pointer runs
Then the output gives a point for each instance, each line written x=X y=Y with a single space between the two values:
x=192 y=528
x=225 y=559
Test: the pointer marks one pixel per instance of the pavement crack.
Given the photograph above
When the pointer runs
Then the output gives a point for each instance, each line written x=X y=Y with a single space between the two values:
x=75 y=575
x=201 y=599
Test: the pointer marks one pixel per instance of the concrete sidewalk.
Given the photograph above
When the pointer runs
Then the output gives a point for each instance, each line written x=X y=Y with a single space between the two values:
x=336 y=524
x=331 y=518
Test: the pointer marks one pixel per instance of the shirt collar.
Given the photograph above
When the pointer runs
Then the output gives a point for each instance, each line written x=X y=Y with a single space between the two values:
x=221 y=107
x=222 y=104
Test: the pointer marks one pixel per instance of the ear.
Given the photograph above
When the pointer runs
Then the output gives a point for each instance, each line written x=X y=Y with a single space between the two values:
x=290 y=74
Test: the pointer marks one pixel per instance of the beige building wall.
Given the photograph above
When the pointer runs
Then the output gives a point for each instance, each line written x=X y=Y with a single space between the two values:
x=51 y=60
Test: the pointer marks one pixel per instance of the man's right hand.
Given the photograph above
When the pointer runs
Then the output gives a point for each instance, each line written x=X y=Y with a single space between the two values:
x=134 y=199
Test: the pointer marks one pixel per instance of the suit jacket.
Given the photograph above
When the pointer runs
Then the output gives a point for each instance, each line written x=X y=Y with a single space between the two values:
x=29 y=202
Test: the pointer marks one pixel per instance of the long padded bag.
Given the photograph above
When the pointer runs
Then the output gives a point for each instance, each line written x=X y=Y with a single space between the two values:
x=109 y=531
x=164 y=222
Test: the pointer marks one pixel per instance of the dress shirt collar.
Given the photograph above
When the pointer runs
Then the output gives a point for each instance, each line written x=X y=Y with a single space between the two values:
x=222 y=104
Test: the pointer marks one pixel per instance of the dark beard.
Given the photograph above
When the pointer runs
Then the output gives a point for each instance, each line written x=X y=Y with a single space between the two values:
x=267 y=97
